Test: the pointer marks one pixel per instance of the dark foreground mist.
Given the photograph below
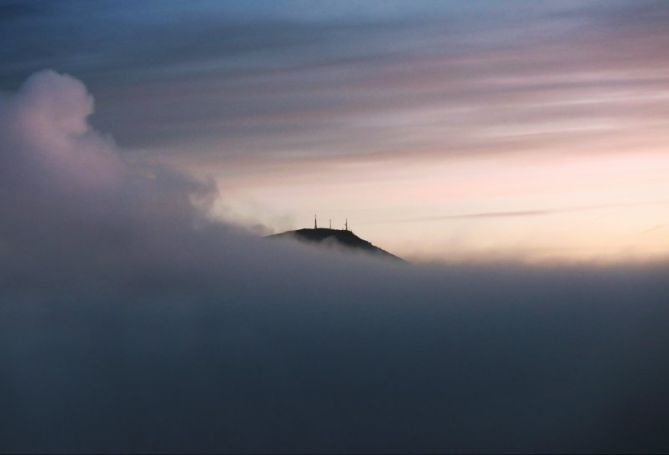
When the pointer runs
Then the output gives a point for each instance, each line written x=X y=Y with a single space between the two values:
x=454 y=360
x=129 y=322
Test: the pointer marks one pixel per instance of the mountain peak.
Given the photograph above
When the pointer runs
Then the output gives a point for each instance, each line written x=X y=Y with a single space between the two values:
x=336 y=237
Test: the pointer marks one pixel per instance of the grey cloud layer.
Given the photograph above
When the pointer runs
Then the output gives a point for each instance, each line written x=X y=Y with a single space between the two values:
x=131 y=322
x=273 y=81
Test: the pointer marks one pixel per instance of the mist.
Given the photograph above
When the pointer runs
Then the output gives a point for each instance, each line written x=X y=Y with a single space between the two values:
x=131 y=320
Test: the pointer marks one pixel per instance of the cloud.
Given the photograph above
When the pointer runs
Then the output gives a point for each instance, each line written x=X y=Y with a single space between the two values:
x=281 y=79
x=131 y=321
x=536 y=212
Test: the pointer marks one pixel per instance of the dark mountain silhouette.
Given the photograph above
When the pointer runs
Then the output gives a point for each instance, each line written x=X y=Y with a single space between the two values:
x=338 y=238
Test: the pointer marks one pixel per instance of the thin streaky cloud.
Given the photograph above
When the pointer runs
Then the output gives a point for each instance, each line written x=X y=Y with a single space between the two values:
x=531 y=213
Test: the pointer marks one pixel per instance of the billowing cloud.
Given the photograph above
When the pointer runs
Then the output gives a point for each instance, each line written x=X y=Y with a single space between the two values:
x=131 y=321
x=65 y=188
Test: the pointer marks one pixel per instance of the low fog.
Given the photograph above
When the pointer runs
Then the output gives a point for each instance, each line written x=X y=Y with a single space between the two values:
x=132 y=321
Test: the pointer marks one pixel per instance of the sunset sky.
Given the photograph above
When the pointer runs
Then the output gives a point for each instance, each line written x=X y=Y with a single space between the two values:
x=442 y=130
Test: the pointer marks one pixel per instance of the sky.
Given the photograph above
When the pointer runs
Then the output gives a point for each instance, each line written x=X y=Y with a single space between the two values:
x=441 y=130
x=145 y=145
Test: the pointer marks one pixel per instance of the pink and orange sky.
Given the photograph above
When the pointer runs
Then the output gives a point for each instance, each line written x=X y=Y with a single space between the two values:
x=441 y=130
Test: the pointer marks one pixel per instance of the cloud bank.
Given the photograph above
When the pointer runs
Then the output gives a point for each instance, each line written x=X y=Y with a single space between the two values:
x=131 y=321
